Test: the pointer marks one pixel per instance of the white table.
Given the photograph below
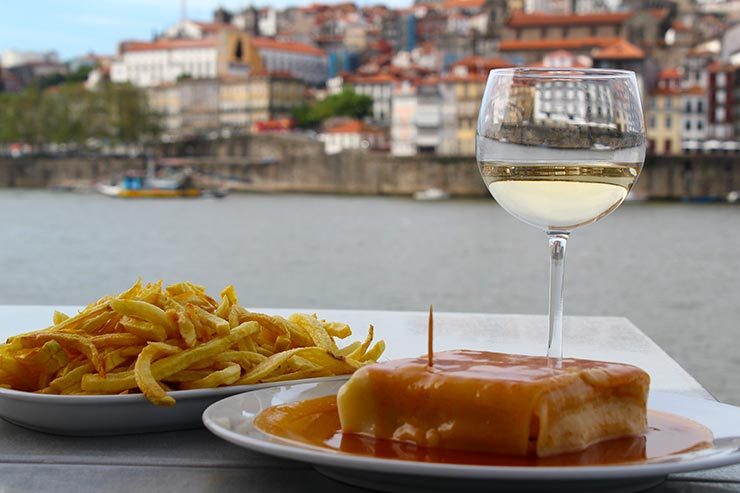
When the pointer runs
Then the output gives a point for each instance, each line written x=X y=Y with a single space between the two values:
x=197 y=461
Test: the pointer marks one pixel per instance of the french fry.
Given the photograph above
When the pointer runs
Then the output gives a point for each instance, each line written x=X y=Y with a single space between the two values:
x=359 y=353
x=226 y=376
x=116 y=340
x=59 y=317
x=144 y=330
x=144 y=377
x=219 y=325
x=316 y=331
x=71 y=377
x=145 y=311
x=74 y=342
x=152 y=340
x=187 y=329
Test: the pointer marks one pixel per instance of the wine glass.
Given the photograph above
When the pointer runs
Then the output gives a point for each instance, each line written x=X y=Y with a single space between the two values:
x=559 y=149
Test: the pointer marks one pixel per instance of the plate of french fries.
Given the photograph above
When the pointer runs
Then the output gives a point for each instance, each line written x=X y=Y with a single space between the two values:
x=153 y=358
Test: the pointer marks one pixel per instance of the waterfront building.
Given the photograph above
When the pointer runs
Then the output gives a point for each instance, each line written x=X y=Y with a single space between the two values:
x=403 y=119
x=351 y=134
x=466 y=91
x=663 y=120
x=693 y=118
x=188 y=107
x=147 y=64
x=380 y=88
x=260 y=97
x=303 y=61
x=228 y=52
x=721 y=82
x=543 y=26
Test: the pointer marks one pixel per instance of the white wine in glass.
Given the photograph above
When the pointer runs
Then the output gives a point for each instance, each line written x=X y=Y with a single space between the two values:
x=559 y=149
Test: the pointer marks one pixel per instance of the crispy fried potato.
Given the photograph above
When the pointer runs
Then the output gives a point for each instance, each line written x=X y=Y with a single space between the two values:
x=149 y=385
x=153 y=340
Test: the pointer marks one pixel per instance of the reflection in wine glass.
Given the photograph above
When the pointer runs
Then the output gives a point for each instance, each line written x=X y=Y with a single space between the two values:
x=559 y=149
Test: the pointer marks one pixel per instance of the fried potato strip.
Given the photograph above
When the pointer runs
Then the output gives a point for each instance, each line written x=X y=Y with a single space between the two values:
x=153 y=339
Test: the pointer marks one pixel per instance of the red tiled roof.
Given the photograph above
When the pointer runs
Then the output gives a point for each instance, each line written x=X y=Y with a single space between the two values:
x=555 y=44
x=463 y=4
x=167 y=44
x=481 y=64
x=465 y=78
x=619 y=50
x=666 y=91
x=271 y=44
x=521 y=19
x=380 y=78
x=670 y=73
x=350 y=127
x=695 y=90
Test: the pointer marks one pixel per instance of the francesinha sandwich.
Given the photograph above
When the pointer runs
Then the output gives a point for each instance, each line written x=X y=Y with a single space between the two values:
x=496 y=403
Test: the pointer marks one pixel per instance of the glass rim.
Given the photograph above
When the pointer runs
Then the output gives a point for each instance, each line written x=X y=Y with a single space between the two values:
x=562 y=73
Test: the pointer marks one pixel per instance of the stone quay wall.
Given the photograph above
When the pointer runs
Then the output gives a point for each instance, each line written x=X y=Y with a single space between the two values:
x=290 y=163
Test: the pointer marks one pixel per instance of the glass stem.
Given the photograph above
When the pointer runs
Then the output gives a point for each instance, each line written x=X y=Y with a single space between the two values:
x=558 y=241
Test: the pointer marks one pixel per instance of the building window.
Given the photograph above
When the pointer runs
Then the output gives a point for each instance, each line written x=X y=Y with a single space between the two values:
x=720 y=96
x=651 y=103
x=651 y=144
x=688 y=106
x=652 y=121
x=688 y=125
x=700 y=125
x=667 y=146
x=700 y=106
x=668 y=121
x=719 y=115
x=721 y=79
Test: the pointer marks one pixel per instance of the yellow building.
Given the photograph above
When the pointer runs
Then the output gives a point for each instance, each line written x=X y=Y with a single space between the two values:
x=468 y=91
x=663 y=121
x=259 y=97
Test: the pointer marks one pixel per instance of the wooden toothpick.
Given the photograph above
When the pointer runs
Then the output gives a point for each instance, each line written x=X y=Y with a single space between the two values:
x=430 y=339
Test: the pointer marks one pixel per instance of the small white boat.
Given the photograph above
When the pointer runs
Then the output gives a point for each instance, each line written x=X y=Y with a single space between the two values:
x=431 y=194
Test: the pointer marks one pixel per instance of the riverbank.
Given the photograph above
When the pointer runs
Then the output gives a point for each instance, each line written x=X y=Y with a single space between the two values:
x=672 y=268
x=285 y=163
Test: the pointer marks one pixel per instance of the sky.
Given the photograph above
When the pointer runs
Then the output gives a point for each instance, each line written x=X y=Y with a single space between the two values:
x=76 y=27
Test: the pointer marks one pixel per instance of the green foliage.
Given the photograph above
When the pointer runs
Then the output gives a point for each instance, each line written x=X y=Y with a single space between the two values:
x=70 y=114
x=51 y=80
x=346 y=103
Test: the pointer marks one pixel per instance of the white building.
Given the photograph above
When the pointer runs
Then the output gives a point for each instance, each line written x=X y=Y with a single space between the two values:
x=693 y=118
x=403 y=120
x=423 y=118
x=150 y=64
x=12 y=58
x=352 y=135
x=147 y=64
x=573 y=103
x=303 y=61
x=380 y=88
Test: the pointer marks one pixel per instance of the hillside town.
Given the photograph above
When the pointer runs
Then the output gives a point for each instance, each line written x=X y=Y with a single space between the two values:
x=423 y=69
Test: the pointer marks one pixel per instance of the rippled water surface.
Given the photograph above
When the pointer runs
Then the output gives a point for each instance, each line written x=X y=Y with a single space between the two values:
x=673 y=269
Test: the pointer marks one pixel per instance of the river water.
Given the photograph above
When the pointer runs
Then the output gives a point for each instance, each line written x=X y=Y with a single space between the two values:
x=672 y=268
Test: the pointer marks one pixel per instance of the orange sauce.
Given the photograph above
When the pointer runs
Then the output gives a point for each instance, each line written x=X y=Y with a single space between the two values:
x=315 y=422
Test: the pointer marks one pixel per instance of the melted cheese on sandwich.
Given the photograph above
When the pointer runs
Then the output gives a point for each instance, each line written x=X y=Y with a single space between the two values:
x=497 y=403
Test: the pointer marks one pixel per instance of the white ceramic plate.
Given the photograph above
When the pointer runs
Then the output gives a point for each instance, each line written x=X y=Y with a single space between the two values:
x=116 y=414
x=231 y=419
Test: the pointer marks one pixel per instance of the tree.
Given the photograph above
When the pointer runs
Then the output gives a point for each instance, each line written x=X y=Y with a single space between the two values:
x=69 y=114
x=346 y=103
